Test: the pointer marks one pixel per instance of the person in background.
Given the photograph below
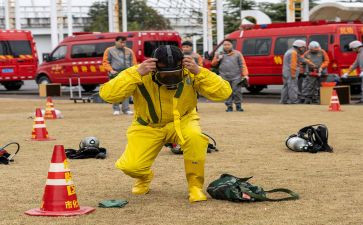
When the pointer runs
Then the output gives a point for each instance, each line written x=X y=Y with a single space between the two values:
x=290 y=72
x=116 y=59
x=187 y=49
x=317 y=60
x=357 y=47
x=232 y=67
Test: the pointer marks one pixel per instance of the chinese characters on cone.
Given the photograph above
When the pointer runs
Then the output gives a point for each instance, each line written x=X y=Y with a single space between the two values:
x=59 y=197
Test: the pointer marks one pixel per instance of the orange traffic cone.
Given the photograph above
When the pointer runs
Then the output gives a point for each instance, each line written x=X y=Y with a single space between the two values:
x=49 y=110
x=59 y=197
x=39 y=132
x=334 y=102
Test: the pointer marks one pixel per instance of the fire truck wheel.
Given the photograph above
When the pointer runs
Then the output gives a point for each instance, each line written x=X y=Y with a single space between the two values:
x=13 y=85
x=43 y=80
x=254 y=89
x=89 y=87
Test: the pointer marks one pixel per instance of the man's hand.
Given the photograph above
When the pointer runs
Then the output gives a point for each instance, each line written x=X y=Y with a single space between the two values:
x=345 y=75
x=147 y=66
x=189 y=63
x=113 y=72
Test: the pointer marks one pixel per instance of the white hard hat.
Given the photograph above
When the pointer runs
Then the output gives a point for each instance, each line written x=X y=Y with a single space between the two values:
x=299 y=43
x=355 y=44
x=314 y=45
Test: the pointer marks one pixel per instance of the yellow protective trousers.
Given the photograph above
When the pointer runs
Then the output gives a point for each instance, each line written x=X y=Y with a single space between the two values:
x=145 y=142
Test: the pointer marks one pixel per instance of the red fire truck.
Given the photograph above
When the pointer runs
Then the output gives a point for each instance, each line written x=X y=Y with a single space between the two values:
x=81 y=55
x=18 y=58
x=263 y=47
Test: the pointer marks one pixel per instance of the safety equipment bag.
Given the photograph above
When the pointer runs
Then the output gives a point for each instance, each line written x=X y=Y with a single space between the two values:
x=85 y=153
x=315 y=137
x=5 y=156
x=235 y=189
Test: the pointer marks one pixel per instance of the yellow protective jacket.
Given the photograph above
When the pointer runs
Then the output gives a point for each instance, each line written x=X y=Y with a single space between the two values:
x=155 y=105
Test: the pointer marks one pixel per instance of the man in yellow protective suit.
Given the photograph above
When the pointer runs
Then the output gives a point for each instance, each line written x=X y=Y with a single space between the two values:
x=165 y=96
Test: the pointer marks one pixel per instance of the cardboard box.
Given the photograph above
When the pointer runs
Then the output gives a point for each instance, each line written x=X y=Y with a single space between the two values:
x=46 y=90
x=343 y=93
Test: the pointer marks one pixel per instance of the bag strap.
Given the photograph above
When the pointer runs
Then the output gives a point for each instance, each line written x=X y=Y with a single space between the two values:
x=293 y=195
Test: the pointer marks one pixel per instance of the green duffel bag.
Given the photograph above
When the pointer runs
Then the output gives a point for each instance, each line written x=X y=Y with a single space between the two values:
x=235 y=189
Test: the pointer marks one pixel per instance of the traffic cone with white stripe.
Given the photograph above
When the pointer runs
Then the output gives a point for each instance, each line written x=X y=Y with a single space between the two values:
x=39 y=132
x=59 y=197
x=334 y=102
x=49 y=110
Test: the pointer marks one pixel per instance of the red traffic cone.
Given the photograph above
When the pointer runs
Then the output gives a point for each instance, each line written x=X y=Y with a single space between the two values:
x=334 y=102
x=39 y=132
x=49 y=110
x=59 y=197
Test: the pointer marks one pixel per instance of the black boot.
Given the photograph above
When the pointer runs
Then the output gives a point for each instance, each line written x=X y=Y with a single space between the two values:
x=239 y=108
x=229 y=109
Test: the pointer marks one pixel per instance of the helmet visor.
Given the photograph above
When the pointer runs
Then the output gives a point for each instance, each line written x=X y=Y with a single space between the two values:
x=171 y=77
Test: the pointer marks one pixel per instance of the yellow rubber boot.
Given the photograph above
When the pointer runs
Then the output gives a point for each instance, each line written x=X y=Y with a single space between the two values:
x=194 y=171
x=142 y=184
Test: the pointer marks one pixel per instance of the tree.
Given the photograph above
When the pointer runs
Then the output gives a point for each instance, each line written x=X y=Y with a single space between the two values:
x=232 y=13
x=139 y=17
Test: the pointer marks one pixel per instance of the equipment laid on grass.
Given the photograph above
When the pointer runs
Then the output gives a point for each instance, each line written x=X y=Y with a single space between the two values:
x=334 y=102
x=59 y=197
x=5 y=156
x=311 y=139
x=89 y=147
x=235 y=189
x=113 y=203
x=39 y=132
x=176 y=149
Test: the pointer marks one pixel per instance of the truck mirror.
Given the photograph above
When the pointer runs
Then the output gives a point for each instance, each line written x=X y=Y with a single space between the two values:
x=46 y=57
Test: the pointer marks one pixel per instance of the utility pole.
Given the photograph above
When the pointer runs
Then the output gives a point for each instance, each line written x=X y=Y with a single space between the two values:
x=53 y=23
x=110 y=16
x=220 y=21
x=6 y=12
x=17 y=15
x=116 y=20
x=210 y=35
x=69 y=18
x=124 y=16
x=60 y=20
x=205 y=25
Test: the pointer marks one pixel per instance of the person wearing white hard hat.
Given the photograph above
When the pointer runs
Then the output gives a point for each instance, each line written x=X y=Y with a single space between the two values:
x=357 y=47
x=317 y=61
x=290 y=72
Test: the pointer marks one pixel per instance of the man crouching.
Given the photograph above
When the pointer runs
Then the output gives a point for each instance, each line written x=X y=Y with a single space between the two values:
x=165 y=89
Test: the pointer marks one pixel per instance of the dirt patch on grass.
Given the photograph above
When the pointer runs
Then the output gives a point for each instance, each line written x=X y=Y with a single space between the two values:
x=251 y=144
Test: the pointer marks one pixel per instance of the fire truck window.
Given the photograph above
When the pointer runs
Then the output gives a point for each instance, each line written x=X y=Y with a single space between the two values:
x=2 y=48
x=83 y=51
x=282 y=44
x=20 y=48
x=59 y=53
x=256 y=47
x=150 y=46
x=322 y=40
x=345 y=39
